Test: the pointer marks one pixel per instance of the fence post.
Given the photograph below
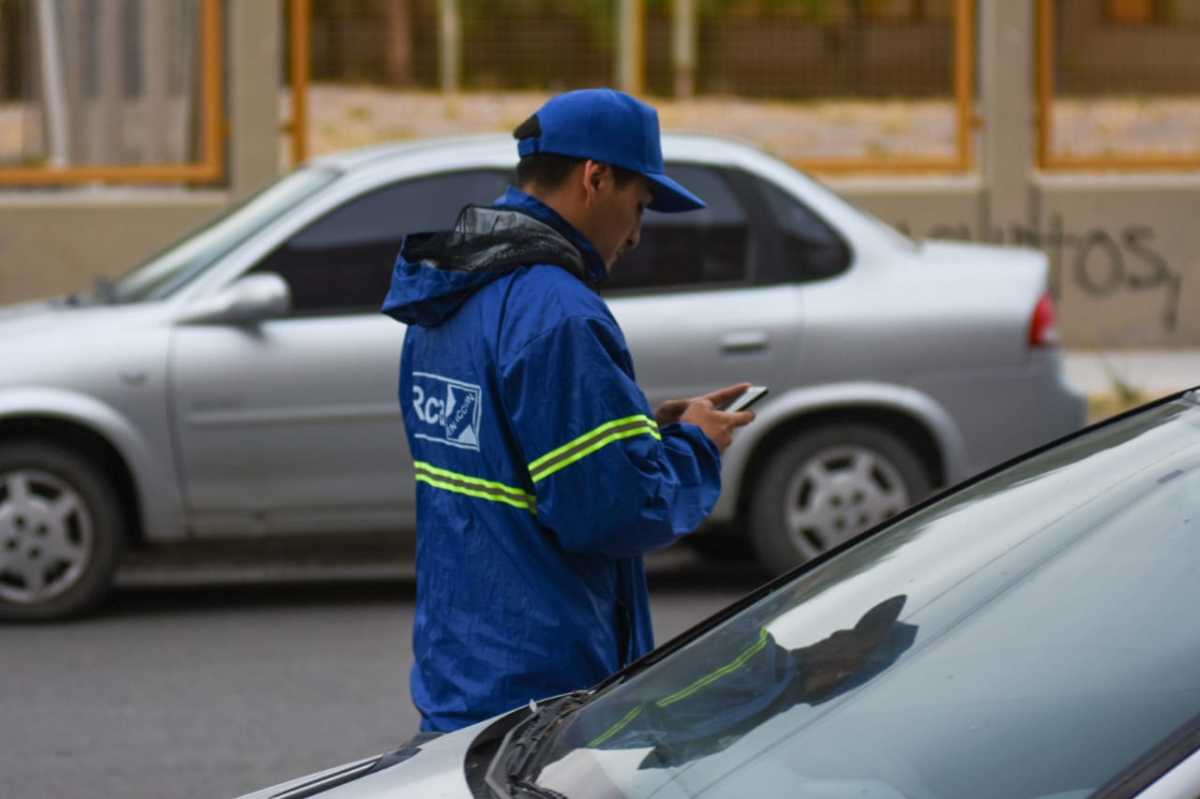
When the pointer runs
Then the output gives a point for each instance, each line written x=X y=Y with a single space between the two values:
x=449 y=46
x=683 y=47
x=1006 y=53
x=106 y=123
x=630 y=45
x=53 y=84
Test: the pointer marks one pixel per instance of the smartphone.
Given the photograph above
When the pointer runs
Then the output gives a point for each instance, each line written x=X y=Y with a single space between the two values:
x=746 y=399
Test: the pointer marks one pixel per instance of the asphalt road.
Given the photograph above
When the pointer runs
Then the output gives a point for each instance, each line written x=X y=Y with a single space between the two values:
x=212 y=684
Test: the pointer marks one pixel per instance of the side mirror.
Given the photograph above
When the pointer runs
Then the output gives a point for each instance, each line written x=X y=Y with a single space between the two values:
x=249 y=299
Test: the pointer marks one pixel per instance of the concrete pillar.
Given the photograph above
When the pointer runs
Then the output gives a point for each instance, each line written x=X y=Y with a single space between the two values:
x=255 y=36
x=631 y=22
x=449 y=46
x=683 y=47
x=1009 y=108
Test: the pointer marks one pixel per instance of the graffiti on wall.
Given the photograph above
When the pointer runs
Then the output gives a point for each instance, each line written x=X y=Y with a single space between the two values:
x=1098 y=261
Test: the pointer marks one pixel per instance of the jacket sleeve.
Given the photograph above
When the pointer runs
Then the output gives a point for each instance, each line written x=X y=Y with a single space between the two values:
x=606 y=478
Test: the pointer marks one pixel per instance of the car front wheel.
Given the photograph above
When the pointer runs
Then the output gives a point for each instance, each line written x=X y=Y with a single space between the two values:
x=827 y=485
x=60 y=532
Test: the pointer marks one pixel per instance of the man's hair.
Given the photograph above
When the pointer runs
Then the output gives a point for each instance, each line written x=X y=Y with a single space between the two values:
x=550 y=170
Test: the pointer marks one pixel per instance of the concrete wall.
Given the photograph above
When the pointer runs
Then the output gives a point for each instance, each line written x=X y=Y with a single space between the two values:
x=52 y=244
x=1124 y=250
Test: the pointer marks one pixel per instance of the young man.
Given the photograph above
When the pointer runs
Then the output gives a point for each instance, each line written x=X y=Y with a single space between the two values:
x=542 y=474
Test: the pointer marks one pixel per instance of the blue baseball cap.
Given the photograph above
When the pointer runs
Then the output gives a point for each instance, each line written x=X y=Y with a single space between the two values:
x=611 y=127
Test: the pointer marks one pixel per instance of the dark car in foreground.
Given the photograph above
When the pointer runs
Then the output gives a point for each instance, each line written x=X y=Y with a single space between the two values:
x=1031 y=633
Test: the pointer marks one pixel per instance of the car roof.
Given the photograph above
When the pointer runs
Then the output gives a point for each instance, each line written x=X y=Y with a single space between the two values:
x=501 y=149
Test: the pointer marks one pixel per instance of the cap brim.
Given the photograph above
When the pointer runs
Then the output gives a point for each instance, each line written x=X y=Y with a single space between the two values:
x=670 y=197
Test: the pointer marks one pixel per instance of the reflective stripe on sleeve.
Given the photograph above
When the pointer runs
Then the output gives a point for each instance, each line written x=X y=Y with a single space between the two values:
x=474 y=486
x=591 y=441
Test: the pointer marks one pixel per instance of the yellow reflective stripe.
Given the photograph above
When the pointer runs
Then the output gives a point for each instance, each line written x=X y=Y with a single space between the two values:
x=616 y=728
x=533 y=467
x=457 y=489
x=466 y=478
x=591 y=441
x=474 y=487
x=712 y=677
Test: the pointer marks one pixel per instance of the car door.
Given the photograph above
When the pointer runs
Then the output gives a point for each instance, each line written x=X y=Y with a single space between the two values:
x=293 y=423
x=687 y=298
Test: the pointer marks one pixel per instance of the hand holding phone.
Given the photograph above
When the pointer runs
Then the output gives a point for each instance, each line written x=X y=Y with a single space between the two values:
x=746 y=399
x=712 y=412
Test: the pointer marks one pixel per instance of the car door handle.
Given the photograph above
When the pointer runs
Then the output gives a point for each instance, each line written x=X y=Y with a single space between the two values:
x=744 y=341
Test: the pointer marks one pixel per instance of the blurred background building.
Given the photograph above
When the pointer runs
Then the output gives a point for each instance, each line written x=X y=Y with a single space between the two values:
x=1070 y=125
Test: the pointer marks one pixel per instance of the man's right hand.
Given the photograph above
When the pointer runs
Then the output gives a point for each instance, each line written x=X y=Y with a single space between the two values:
x=703 y=412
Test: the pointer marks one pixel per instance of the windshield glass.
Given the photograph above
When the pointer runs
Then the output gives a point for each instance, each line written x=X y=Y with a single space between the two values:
x=184 y=260
x=1029 y=636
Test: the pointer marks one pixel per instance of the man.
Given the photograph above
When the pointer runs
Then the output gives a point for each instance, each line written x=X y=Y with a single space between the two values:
x=542 y=476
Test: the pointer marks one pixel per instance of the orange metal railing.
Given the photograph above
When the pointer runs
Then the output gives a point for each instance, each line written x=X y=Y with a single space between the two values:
x=965 y=118
x=211 y=167
x=300 y=44
x=963 y=79
x=1047 y=158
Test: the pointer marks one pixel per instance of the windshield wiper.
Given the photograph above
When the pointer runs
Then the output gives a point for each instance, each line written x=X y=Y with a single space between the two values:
x=509 y=774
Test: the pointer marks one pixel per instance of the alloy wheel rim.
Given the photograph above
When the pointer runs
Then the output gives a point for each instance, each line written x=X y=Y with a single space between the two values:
x=838 y=493
x=46 y=536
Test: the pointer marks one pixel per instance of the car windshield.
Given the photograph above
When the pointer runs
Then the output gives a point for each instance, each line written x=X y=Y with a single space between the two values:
x=187 y=258
x=1031 y=635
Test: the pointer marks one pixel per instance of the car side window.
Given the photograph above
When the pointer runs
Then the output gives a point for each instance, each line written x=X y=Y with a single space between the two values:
x=709 y=246
x=808 y=248
x=342 y=263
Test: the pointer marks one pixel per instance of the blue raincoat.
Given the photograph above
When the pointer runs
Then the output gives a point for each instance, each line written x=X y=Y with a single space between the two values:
x=542 y=476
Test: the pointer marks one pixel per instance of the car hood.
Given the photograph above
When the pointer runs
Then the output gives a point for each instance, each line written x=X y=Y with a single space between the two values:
x=58 y=344
x=30 y=316
x=435 y=771
x=60 y=317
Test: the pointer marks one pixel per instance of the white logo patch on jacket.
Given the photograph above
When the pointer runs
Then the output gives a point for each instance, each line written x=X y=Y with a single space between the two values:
x=448 y=410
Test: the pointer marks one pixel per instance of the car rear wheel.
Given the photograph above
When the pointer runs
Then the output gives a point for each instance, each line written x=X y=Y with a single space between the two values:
x=826 y=486
x=60 y=532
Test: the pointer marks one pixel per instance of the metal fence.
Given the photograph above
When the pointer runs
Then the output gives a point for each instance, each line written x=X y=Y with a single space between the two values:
x=96 y=90
x=832 y=85
x=1118 y=84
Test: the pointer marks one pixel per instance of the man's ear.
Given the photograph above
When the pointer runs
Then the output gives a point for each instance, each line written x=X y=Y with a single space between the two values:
x=594 y=176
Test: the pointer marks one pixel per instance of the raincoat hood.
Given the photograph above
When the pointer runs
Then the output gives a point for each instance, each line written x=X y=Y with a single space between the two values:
x=435 y=273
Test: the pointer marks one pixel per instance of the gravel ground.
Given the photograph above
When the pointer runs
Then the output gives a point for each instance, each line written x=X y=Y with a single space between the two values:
x=348 y=116
x=353 y=116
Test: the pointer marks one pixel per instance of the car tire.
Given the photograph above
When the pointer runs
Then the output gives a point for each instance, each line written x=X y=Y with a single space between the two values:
x=827 y=485
x=61 y=532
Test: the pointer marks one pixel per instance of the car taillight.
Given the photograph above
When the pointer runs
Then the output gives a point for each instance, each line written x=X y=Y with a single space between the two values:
x=1043 y=328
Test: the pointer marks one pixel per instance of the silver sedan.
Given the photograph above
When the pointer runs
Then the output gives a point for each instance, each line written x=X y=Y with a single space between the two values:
x=243 y=383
